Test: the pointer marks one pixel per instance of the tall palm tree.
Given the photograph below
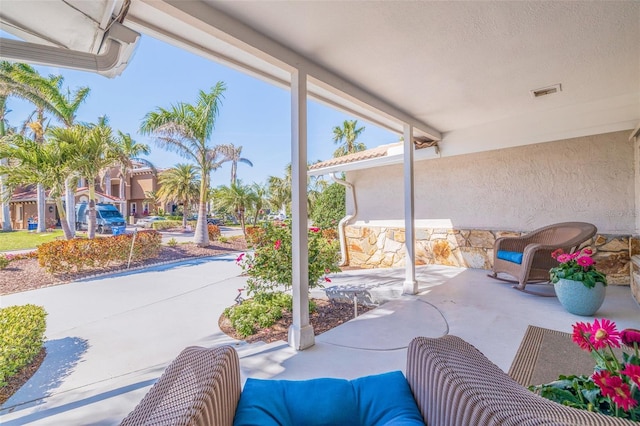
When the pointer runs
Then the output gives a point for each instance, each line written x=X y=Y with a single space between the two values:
x=180 y=183
x=187 y=129
x=94 y=150
x=237 y=198
x=233 y=154
x=346 y=136
x=47 y=94
x=129 y=152
x=45 y=163
x=279 y=189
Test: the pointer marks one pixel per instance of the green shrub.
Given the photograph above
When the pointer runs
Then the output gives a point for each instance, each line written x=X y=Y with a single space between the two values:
x=161 y=225
x=172 y=242
x=329 y=208
x=223 y=239
x=4 y=261
x=21 y=337
x=260 y=312
x=80 y=254
x=269 y=266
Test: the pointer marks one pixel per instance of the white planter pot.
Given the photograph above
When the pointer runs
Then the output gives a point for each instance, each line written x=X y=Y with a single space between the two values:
x=578 y=299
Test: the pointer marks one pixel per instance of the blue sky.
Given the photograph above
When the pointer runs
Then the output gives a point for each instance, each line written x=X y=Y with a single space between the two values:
x=254 y=114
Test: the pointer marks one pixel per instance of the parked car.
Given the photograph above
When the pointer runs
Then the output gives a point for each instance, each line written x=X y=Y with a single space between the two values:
x=210 y=220
x=147 y=222
x=108 y=218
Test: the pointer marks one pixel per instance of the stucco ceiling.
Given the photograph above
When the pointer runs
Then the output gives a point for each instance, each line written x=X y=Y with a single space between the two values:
x=462 y=69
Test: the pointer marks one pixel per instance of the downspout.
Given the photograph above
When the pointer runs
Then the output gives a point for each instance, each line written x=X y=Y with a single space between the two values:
x=343 y=222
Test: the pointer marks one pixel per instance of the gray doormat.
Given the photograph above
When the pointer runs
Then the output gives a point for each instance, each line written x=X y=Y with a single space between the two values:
x=545 y=354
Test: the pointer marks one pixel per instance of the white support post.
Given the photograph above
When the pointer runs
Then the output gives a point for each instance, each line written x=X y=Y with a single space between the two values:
x=410 y=284
x=301 y=334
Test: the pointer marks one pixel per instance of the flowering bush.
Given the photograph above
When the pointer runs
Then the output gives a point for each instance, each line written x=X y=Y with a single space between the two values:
x=269 y=266
x=613 y=388
x=578 y=266
x=4 y=261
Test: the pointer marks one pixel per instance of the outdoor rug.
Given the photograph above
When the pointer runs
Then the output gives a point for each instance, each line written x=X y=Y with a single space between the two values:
x=546 y=354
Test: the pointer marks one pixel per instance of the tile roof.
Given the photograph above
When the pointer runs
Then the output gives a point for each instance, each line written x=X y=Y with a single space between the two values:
x=380 y=151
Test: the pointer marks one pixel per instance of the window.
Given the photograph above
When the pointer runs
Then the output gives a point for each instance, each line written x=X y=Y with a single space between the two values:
x=133 y=209
x=19 y=213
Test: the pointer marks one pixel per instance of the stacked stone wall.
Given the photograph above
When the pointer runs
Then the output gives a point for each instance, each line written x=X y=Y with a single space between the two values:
x=383 y=247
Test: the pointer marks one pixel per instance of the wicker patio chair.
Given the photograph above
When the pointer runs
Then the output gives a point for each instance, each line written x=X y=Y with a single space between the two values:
x=452 y=382
x=528 y=257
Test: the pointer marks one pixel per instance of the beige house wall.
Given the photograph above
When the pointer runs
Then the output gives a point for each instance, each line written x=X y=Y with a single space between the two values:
x=464 y=202
x=588 y=179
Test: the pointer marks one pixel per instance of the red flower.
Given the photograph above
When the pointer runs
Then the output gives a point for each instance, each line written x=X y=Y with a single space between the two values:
x=556 y=253
x=239 y=258
x=327 y=279
x=630 y=336
x=588 y=252
x=633 y=372
x=581 y=333
x=601 y=378
x=563 y=258
x=604 y=334
x=314 y=229
x=277 y=245
x=620 y=393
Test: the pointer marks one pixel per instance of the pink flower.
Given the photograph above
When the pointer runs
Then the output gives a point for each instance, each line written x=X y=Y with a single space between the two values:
x=327 y=279
x=630 y=337
x=277 y=245
x=585 y=261
x=327 y=270
x=588 y=252
x=314 y=229
x=633 y=372
x=556 y=253
x=604 y=334
x=581 y=333
x=563 y=258
x=239 y=258
x=601 y=378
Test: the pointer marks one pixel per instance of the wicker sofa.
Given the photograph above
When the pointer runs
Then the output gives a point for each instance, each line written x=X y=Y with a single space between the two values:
x=451 y=381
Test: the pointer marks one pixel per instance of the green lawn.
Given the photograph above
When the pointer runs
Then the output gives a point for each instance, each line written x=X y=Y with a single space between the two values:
x=19 y=240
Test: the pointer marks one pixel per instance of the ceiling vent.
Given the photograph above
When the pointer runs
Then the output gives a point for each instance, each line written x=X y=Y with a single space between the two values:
x=543 y=91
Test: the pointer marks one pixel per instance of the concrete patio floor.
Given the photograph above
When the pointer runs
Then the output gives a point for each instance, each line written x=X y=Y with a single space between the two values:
x=110 y=338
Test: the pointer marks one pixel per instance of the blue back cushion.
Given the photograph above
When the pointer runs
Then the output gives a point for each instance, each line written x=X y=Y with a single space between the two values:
x=511 y=256
x=378 y=400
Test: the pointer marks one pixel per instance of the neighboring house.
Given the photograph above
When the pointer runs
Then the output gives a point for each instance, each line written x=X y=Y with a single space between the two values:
x=23 y=208
x=464 y=202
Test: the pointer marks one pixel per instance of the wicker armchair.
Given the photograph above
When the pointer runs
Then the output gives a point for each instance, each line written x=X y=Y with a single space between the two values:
x=532 y=251
x=451 y=381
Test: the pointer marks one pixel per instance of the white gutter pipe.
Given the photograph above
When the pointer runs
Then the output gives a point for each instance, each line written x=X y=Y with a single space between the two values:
x=343 y=222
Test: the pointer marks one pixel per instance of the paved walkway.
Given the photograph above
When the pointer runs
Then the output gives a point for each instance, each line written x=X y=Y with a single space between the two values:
x=110 y=338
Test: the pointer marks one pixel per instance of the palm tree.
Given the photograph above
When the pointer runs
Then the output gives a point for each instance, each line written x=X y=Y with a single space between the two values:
x=238 y=198
x=346 y=136
x=47 y=164
x=233 y=154
x=260 y=193
x=280 y=191
x=187 y=130
x=46 y=94
x=180 y=183
x=94 y=150
x=129 y=152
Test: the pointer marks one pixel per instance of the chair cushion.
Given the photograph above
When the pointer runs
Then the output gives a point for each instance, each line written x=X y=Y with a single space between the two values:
x=378 y=400
x=511 y=256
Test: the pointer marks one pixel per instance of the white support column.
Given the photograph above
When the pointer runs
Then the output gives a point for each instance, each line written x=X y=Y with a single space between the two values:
x=301 y=334
x=410 y=284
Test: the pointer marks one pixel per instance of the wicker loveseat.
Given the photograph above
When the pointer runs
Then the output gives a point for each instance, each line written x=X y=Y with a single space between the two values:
x=452 y=382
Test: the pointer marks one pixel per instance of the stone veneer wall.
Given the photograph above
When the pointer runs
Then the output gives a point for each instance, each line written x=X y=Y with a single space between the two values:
x=383 y=247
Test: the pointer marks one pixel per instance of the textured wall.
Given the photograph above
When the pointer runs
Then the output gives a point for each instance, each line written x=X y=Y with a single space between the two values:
x=588 y=179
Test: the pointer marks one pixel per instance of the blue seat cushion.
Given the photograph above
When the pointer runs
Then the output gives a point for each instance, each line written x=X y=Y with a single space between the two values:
x=511 y=256
x=383 y=399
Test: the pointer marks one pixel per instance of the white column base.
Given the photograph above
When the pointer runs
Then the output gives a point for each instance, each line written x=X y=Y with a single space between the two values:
x=410 y=287
x=301 y=338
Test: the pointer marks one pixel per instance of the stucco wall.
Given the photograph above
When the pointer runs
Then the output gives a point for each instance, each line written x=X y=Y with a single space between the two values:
x=588 y=179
